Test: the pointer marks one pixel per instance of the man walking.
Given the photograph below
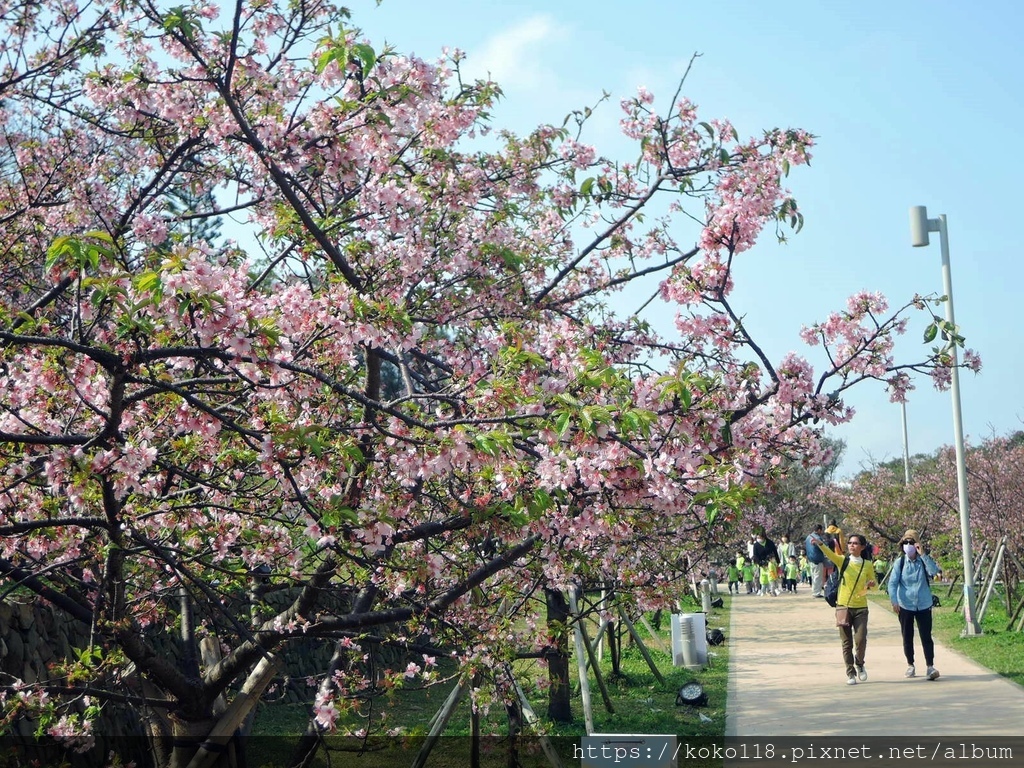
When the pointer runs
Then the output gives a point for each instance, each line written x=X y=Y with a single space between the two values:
x=816 y=560
x=911 y=596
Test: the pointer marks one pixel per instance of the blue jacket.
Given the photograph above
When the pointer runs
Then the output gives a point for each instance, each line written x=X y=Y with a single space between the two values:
x=909 y=586
x=933 y=567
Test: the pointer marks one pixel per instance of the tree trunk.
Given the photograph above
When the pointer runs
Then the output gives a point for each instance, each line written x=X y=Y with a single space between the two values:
x=474 y=740
x=615 y=647
x=559 y=690
x=515 y=728
x=187 y=736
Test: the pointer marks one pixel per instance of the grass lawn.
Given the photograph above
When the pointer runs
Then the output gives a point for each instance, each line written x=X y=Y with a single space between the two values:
x=997 y=648
x=641 y=705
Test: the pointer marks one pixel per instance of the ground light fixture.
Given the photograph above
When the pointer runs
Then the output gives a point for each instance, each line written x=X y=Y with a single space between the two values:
x=692 y=694
x=920 y=226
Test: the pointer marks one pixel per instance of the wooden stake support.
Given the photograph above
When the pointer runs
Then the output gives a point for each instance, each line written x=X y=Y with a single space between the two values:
x=993 y=575
x=438 y=723
x=243 y=703
x=533 y=721
x=640 y=644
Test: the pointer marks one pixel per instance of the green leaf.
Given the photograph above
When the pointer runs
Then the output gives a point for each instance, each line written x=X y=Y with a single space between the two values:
x=183 y=20
x=61 y=249
x=366 y=56
x=562 y=423
x=334 y=51
x=711 y=511
x=338 y=514
x=81 y=251
x=586 y=420
x=930 y=333
x=686 y=396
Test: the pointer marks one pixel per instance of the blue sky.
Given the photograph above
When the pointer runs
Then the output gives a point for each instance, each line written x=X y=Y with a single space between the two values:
x=913 y=103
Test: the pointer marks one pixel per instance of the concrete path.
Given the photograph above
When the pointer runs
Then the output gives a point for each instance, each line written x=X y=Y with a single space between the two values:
x=787 y=678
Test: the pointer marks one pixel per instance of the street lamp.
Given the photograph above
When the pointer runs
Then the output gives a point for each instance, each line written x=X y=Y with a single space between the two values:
x=906 y=444
x=920 y=226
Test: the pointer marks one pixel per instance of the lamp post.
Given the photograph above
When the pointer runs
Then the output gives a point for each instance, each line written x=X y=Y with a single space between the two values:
x=920 y=226
x=906 y=445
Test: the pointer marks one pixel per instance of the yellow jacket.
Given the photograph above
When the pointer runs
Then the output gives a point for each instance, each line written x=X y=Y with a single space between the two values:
x=857 y=579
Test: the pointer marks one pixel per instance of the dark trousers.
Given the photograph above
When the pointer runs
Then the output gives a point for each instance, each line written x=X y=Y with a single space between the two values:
x=924 y=629
x=854 y=640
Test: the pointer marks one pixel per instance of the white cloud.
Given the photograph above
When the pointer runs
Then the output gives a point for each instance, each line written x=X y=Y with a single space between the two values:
x=515 y=58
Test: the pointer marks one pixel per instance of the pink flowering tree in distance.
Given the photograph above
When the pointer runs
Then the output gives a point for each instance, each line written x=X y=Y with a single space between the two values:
x=398 y=397
x=880 y=502
x=881 y=505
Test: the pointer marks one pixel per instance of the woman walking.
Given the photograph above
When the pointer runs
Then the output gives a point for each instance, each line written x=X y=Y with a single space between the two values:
x=856 y=577
x=911 y=596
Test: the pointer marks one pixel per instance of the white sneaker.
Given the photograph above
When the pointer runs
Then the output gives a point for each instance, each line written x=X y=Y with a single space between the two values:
x=852 y=681
x=933 y=673
x=862 y=674
x=911 y=672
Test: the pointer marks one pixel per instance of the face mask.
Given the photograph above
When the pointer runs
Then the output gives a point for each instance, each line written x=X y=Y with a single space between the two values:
x=910 y=549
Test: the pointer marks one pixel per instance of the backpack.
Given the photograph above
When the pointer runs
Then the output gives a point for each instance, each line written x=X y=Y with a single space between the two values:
x=832 y=583
x=814 y=555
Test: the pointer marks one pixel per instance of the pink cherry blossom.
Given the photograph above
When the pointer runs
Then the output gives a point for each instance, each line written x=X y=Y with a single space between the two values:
x=394 y=396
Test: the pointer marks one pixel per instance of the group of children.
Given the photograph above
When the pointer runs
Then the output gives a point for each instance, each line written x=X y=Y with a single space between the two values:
x=771 y=579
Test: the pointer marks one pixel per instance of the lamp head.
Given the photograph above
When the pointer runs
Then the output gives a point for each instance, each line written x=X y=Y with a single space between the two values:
x=918 y=226
x=692 y=694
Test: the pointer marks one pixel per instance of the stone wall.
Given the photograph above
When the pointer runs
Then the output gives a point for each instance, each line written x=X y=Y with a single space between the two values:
x=34 y=636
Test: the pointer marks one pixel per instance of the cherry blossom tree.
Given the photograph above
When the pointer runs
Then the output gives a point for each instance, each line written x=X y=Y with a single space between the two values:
x=788 y=501
x=880 y=502
x=399 y=397
x=994 y=493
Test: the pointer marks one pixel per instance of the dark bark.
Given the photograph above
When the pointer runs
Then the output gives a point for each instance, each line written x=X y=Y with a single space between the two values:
x=515 y=729
x=559 y=702
x=615 y=647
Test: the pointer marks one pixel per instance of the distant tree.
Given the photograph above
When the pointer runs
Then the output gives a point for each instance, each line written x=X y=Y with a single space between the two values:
x=192 y=216
x=881 y=503
x=788 y=502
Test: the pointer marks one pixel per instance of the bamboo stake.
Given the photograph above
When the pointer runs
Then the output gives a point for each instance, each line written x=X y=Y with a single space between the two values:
x=593 y=658
x=654 y=635
x=993 y=574
x=209 y=651
x=581 y=665
x=244 y=702
x=533 y=721
x=439 y=722
x=640 y=644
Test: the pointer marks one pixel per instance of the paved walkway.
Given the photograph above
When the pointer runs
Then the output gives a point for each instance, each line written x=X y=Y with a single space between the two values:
x=787 y=678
